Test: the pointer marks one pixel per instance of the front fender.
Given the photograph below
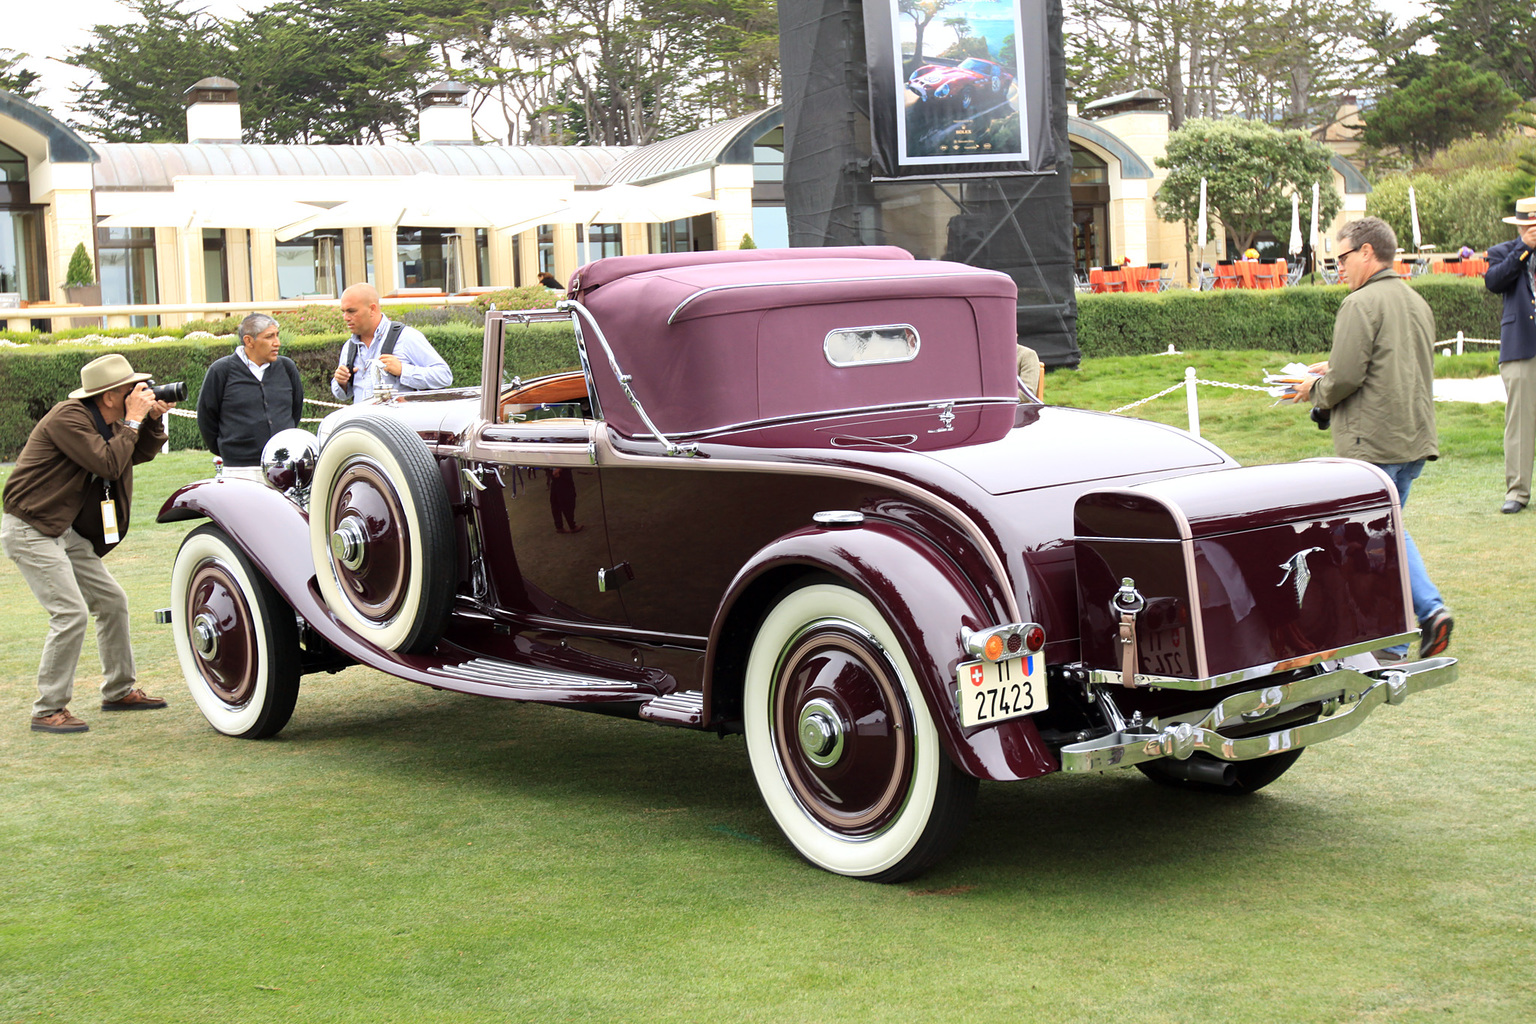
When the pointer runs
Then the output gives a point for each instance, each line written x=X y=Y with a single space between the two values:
x=274 y=533
x=923 y=597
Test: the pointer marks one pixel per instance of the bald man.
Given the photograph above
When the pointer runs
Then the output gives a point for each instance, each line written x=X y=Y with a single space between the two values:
x=381 y=354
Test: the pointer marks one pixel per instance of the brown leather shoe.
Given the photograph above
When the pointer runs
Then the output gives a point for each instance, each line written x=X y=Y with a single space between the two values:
x=136 y=700
x=60 y=721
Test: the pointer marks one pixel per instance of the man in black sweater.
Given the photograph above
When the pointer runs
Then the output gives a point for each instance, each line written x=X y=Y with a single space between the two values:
x=248 y=396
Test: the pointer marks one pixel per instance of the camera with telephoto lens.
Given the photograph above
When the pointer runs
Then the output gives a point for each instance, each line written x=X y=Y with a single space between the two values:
x=1322 y=417
x=176 y=391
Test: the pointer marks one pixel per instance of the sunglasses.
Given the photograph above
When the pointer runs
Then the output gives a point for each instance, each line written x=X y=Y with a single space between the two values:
x=1340 y=257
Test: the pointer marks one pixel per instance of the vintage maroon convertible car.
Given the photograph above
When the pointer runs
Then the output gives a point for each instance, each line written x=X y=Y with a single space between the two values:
x=794 y=495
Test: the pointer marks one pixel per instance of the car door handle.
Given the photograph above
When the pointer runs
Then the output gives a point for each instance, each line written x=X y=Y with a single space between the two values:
x=614 y=578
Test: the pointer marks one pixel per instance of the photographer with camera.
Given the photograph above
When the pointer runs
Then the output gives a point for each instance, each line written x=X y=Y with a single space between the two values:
x=1377 y=389
x=65 y=506
x=249 y=395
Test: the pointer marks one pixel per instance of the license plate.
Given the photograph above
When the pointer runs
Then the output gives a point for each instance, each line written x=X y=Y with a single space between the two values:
x=992 y=691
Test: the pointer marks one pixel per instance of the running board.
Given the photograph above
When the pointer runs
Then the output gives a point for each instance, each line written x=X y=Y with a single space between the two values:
x=495 y=677
x=684 y=709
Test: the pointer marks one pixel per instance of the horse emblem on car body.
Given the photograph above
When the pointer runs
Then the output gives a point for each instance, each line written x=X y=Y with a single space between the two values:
x=1296 y=569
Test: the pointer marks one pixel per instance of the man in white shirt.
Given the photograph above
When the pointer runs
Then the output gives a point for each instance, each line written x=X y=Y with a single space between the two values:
x=383 y=355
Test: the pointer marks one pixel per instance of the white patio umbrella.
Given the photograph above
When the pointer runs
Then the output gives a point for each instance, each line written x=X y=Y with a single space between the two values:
x=194 y=208
x=1413 y=212
x=1295 y=223
x=1201 y=226
x=621 y=204
x=428 y=201
x=1312 y=237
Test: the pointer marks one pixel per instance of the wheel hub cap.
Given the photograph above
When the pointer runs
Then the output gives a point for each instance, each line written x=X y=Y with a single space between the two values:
x=348 y=542
x=821 y=733
x=205 y=637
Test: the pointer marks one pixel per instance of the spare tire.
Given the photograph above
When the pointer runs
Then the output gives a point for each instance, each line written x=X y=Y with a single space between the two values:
x=381 y=534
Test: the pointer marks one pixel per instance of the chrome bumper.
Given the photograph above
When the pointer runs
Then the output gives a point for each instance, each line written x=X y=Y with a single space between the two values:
x=1347 y=694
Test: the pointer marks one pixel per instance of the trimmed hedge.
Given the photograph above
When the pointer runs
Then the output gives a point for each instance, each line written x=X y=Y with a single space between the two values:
x=32 y=379
x=1297 y=320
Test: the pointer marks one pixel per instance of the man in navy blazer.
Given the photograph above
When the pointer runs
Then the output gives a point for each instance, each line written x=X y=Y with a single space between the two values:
x=1510 y=269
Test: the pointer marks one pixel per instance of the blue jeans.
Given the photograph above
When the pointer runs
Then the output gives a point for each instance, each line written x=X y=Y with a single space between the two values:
x=1426 y=599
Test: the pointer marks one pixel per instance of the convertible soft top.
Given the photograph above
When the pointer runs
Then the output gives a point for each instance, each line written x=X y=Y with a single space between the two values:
x=714 y=341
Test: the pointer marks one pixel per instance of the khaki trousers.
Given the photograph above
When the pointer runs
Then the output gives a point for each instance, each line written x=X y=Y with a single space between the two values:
x=1519 y=376
x=71 y=584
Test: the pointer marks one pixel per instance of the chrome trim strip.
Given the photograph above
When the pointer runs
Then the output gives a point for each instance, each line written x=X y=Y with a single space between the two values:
x=928 y=276
x=1111 y=677
x=489 y=670
x=1364 y=692
x=801 y=417
x=608 y=455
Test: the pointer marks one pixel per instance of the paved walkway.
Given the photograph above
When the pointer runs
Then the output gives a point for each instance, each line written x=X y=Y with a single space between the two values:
x=1480 y=389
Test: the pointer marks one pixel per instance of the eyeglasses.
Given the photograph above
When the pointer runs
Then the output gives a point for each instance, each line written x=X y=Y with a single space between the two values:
x=1340 y=257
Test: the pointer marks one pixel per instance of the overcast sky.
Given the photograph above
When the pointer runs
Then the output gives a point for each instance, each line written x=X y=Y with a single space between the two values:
x=48 y=31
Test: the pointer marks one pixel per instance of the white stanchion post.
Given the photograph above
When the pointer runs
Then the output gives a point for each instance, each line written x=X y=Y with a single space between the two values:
x=1192 y=399
x=1460 y=338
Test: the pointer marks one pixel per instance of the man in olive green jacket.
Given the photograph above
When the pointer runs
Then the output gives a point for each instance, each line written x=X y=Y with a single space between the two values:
x=1378 y=385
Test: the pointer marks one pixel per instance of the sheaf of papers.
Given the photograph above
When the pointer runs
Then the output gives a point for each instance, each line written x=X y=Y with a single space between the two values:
x=1282 y=386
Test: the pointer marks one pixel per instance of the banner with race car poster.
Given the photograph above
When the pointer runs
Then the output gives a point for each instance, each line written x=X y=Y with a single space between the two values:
x=958 y=87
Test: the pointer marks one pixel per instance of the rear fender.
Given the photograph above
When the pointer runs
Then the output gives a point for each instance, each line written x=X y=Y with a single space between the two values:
x=924 y=598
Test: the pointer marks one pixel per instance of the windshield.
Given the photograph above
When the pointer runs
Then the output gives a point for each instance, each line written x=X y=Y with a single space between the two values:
x=981 y=67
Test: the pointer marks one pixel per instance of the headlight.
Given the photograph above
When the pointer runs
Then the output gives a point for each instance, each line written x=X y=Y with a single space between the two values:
x=288 y=462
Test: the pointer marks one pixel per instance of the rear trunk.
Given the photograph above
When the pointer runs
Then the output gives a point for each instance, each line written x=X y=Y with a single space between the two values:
x=1226 y=576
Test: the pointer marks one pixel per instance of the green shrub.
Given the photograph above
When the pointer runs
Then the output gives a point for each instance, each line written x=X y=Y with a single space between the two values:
x=529 y=296
x=32 y=379
x=308 y=320
x=228 y=325
x=437 y=316
x=80 y=272
x=1297 y=320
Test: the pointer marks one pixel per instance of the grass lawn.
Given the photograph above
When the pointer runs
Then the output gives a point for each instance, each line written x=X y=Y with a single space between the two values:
x=402 y=854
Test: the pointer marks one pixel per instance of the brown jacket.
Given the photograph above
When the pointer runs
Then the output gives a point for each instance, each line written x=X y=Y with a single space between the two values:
x=48 y=486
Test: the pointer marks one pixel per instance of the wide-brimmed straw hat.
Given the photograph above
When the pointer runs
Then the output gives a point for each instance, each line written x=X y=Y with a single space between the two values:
x=1525 y=212
x=105 y=373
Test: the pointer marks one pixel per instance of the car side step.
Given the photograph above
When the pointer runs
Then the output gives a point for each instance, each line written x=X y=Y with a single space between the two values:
x=684 y=709
x=545 y=683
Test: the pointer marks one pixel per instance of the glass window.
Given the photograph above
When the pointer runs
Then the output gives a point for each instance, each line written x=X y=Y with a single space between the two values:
x=768 y=157
x=546 y=248
x=770 y=227
x=310 y=266
x=675 y=236
x=1088 y=168
x=215 y=268
x=603 y=240
x=483 y=257
x=127 y=269
x=22 y=267
x=13 y=166
x=853 y=346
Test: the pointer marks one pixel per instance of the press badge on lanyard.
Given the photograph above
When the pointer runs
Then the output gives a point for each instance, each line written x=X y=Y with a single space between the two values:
x=109 y=517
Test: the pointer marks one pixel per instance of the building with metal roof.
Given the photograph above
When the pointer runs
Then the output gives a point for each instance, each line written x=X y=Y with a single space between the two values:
x=58 y=190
